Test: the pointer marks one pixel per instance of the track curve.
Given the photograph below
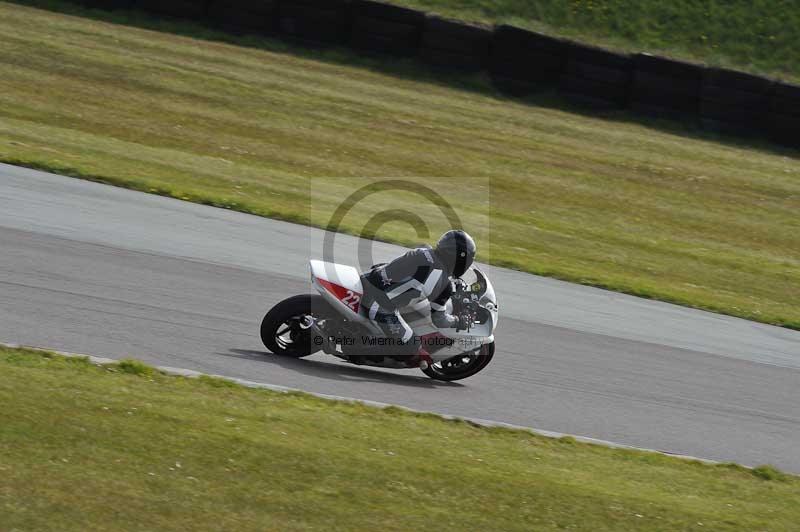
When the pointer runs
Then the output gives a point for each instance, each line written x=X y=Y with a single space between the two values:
x=110 y=272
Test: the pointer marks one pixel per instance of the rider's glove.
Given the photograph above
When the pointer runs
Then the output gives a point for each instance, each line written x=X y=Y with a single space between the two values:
x=443 y=320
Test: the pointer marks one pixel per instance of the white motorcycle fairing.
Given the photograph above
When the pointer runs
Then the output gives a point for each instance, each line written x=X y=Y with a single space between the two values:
x=335 y=322
x=341 y=287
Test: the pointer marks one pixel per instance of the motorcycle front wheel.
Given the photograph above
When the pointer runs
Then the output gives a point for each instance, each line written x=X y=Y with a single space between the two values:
x=281 y=332
x=462 y=366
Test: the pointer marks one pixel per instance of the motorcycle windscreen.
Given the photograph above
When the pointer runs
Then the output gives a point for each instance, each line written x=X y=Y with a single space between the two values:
x=481 y=288
x=479 y=284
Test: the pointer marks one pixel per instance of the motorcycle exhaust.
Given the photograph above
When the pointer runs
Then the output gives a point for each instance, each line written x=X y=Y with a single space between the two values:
x=310 y=324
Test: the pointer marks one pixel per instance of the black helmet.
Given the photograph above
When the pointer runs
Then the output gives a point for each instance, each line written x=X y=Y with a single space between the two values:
x=457 y=250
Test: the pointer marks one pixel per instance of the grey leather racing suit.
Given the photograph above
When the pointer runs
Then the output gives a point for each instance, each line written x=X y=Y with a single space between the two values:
x=415 y=275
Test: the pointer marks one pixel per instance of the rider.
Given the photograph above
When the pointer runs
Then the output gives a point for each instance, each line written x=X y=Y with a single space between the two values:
x=422 y=273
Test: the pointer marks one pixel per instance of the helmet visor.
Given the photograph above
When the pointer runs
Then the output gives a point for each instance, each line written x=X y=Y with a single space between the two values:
x=464 y=254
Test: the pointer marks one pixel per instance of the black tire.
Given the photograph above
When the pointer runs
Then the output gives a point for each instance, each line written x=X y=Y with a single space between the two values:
x=314 y=24
x=785 y=101
x=449 y=370
x=385 y=36
x=736 y=98
x=379 y=10
x=740 y=81
x=184 y=9
x=599 y=57
x=245 y=16
x=510 y=41
x=453 y=60
x=607 y=95
x=648 y=83
x=743 y=115
x=456 y=37
x=106 y=5
x=527 y=56
x=514 y=87
x=600 y=73
x=785 y=129
x=655 y=92
x=285 y=316
x=671 y=69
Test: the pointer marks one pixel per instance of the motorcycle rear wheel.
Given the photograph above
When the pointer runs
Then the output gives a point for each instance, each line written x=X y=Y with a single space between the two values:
x=281 y=332
x=461 y=366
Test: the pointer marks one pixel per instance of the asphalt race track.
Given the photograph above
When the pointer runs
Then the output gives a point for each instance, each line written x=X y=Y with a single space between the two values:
x=109 y=272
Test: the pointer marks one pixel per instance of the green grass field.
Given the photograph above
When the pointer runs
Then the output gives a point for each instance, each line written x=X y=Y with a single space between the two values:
x=669 y=214
x=122 y=447
x=754 y=35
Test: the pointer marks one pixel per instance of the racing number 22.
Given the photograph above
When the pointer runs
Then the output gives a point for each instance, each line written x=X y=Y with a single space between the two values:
x=352 y=300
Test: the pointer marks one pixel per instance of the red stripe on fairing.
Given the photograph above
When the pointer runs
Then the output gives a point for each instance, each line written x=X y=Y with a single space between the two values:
x=343 y=294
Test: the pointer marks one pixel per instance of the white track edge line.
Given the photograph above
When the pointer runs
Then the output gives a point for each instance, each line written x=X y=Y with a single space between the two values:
x=180 y=372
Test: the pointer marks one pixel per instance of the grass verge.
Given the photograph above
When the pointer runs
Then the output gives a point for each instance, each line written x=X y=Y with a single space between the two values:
x=277 y=130
x=755 y=35
x=123 y=447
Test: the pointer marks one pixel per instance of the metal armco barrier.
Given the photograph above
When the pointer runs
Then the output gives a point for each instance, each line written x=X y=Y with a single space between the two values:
x=519 y=61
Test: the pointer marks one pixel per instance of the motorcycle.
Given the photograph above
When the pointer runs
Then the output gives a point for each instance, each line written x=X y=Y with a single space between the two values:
x=335 y=322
